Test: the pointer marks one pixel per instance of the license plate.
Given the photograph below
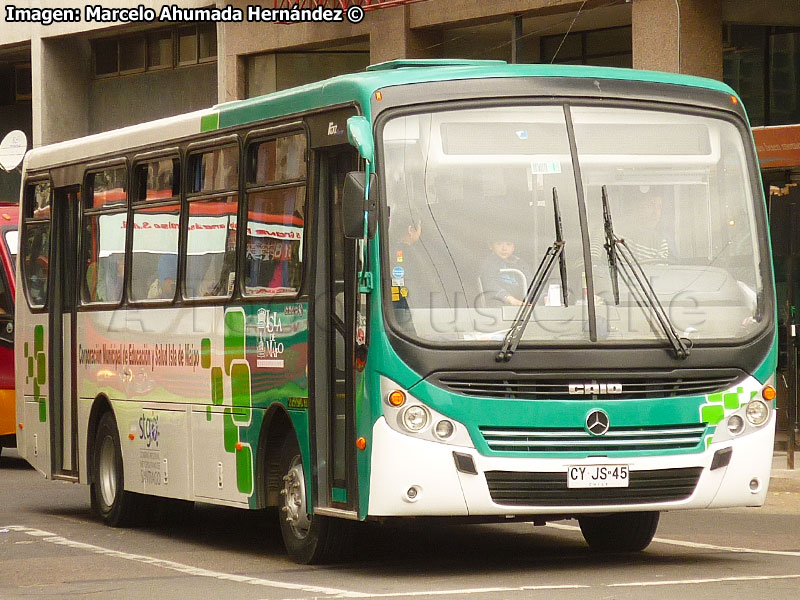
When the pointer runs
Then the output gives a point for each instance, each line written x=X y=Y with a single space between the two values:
x=590 y=476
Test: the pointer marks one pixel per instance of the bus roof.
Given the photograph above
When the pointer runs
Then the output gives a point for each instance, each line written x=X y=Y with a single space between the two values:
x=358 y=87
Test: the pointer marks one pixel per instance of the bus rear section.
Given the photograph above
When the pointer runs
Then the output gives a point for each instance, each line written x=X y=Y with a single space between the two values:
x=9 y=216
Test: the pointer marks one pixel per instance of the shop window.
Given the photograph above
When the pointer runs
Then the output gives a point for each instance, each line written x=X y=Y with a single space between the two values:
x=153 y=50
x=160 y=50
x=132 y=53
x=612 y=46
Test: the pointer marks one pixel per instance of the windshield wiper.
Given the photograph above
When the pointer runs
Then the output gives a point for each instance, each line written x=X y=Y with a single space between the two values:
x=617 y=247
x=553 y=253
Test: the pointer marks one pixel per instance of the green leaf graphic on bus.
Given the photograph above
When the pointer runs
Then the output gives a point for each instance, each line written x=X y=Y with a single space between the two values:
x=37 y=370
x=237 y=416
x=720 y=405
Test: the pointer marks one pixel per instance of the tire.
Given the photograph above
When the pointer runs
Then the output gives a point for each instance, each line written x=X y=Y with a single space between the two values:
x=115 y=506
x=309 y=539
x=623 y=532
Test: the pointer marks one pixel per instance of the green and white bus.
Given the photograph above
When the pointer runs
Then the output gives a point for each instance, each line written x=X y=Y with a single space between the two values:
x=306 y=300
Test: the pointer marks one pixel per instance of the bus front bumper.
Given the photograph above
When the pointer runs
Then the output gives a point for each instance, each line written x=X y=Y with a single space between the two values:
x=413 y=477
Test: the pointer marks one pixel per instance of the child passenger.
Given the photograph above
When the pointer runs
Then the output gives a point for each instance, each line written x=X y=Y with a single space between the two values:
x=504 y=274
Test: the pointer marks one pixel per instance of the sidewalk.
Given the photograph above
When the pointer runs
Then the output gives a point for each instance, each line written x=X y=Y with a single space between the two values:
x=783 y=479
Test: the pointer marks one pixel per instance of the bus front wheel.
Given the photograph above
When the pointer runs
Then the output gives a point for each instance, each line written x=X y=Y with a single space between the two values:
x=308 y=538
x=623 y=532
x=110 y=501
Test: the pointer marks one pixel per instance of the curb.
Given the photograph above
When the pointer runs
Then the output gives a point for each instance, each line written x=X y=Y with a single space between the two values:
x=777 y=483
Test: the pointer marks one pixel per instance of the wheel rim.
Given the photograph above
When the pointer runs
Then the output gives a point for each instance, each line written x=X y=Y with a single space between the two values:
x=107 y=471
x=294 y=509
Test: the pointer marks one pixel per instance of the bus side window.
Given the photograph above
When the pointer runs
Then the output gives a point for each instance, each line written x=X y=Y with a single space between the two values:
x=213 y=210
x=276 y=199
x=35 y=245
x=104 y=232
x=156 y=218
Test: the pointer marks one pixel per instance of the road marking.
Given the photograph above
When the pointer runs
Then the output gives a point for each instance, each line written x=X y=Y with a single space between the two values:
x=52 y=538
x=182 y=568
x=697 y=545
x=698 y=581
x=490 y=590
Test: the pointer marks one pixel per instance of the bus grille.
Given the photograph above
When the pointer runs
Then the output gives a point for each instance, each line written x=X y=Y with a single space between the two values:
x=550 y=489
x=555 y=386
x=541 y=439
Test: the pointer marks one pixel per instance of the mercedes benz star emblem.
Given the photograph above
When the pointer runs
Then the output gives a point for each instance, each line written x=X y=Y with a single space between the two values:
x=597 y=422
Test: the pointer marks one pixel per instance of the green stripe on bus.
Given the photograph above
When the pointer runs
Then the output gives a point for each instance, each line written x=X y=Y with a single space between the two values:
x=209 y=122
x=244 y=470
x=240 y=392
x=234 y=337
x=230 y=433
x=205 y=353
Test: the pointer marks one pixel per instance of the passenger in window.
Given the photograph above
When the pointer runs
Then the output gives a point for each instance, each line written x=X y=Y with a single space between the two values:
x=163 y=286
x=37 y=265
x=270 y=265
x=109 y=280
x=504 y=275
x=645 y=232
x=212 y=283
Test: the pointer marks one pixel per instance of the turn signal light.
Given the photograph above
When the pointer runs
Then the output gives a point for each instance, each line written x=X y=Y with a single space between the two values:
x=239 y=446
x=361 y=443
x=131 y=436
x=20 y=425
x=768 y=393
x=378 y=95
x=397 y=398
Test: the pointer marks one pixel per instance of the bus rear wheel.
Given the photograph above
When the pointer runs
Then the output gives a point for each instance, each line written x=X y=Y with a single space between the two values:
x=623 y=532
x=308 y=538
x=115 y=506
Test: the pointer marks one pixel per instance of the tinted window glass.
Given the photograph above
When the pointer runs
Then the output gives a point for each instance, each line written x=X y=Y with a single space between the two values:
x=214 y=170
x=211 y=248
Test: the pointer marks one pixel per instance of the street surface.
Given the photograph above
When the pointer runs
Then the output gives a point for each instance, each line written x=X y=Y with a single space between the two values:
x=51 y=547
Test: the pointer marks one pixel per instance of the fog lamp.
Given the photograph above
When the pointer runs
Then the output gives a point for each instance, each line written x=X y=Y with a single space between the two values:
x=444 y=429
x=757 y=412
x=735 y=424
x=415 y=418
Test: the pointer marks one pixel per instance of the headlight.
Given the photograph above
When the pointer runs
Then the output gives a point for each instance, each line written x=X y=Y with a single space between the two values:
x=757 y=412
x=415 y=418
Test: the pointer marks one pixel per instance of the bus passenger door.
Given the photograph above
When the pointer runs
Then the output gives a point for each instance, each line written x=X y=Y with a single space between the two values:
x=333 y=396
x=62 y=359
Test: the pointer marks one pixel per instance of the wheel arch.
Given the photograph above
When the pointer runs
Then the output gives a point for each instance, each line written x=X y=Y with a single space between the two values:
x=277 y=424
x=100 y=406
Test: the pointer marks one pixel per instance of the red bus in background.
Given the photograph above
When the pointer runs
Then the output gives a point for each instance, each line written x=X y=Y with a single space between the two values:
x=9 y=220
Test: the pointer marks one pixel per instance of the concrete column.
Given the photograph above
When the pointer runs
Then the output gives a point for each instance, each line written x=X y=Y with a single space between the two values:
x=61 y=73
x=391 y=37
x=659 y=26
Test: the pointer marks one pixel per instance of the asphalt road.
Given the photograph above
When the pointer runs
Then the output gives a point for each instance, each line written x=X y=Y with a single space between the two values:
x=51 y=547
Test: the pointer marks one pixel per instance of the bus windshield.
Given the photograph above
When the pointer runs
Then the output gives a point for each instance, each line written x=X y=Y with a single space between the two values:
x=471 y=214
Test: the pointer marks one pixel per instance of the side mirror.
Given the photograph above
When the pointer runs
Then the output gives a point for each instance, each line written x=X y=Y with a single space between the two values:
x=355 y=205
x=359 y=134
